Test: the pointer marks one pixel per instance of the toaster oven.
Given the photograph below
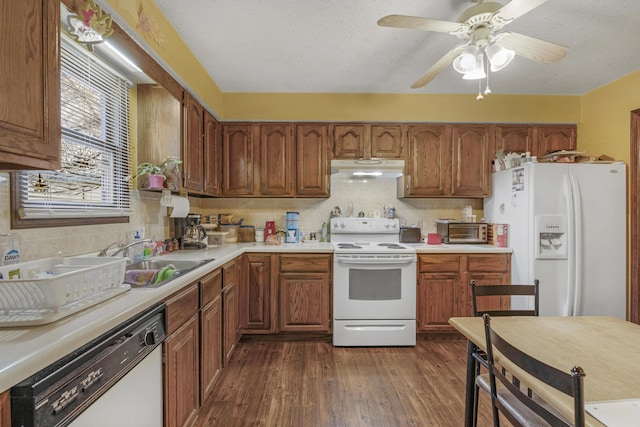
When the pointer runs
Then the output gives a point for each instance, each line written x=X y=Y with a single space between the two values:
x=453 y=231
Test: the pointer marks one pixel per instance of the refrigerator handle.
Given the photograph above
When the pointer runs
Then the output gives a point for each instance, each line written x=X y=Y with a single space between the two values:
x=568 y=308
x=578 y=247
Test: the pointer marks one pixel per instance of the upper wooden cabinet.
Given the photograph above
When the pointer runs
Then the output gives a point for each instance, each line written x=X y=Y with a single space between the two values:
x=471 y=167
x=275 y=160
x=30 y=85
x=212 y=144
x=538 y=140
x=237 y=156
x=428 y=162
x=312 y=160
x=447 y=161
x=552 y=138
x=192 y=144
x=365 y=141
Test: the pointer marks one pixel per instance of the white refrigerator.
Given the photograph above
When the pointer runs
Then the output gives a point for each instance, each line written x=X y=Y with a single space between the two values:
x=567 y=227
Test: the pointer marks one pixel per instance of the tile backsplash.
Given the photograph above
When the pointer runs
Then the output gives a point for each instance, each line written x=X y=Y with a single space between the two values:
x=366 y=196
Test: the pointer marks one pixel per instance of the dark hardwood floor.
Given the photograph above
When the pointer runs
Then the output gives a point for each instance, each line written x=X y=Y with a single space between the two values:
x=313 y=384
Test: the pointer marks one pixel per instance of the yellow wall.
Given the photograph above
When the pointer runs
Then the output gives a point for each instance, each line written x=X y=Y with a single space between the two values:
x=605 y=127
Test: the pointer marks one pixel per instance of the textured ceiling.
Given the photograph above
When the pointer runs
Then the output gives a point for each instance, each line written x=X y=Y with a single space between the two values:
x=335 y=46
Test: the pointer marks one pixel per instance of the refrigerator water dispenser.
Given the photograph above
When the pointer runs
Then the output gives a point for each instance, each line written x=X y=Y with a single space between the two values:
x=551 y=237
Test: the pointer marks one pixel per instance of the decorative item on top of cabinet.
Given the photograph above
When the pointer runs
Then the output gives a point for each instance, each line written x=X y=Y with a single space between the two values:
x=29 y=53
x=275 y=159
x=192 y=144
x=237 y=155
x=366 y=141
x=259 y=293
x=312 y=160
x=444 y=290
x=305 y=293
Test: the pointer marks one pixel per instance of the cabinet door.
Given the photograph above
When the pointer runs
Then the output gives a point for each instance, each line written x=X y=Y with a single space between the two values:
x=304 y=302
x=212 y=145
x=387 y=141
x=210 y=346
x=237 y=150
x=349 y=142
x=471 y=161
x=553 y=138
x=258 y=293
x=438 y=299
x=193 y=148
x=276 y=160
x=428 y=162
x=5 y=410
x=30 y=85
x=513 y=139
x=230 y=321
x=181 y=372
x=312 y=165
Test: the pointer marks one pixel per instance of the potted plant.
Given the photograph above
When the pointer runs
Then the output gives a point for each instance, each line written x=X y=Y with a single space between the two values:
x=156 y=174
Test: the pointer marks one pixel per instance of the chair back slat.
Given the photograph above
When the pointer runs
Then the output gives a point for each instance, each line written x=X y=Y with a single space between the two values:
x=569 y=383
x=507 y=291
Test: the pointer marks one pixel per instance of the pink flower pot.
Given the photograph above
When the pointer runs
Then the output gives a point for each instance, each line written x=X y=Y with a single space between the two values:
x=156 y=181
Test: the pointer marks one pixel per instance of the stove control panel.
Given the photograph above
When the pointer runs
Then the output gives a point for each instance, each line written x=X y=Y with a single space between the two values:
x=365 y=225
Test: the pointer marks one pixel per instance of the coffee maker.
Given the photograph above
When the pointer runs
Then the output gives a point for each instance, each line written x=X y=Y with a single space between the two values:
x=192 y=235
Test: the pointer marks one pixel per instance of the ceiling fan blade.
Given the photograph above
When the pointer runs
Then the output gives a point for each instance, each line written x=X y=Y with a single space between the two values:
x=516 y=8
x=532 y=48
x=417 y=23
x=437 y=68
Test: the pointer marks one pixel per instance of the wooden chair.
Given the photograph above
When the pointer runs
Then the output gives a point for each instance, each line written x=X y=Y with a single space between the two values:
x=489 y=299
x=521 y=407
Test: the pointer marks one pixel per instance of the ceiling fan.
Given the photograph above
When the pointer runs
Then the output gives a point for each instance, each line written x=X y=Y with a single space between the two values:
x=479 y=26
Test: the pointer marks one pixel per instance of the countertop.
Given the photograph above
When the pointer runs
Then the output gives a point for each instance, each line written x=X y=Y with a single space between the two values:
x=26 y=350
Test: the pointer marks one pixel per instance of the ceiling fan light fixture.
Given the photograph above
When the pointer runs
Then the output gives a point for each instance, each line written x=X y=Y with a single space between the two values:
x=478 y=71
x=499 y=57
x=467 y=60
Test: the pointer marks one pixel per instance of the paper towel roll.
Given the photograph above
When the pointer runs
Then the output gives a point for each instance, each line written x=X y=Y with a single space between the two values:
x=180 y=207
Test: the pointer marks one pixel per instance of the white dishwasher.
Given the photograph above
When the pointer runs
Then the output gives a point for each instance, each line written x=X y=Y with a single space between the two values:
x=115 y=380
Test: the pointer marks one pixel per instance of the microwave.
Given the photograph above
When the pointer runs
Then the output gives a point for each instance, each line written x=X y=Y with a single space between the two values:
x=453 y=231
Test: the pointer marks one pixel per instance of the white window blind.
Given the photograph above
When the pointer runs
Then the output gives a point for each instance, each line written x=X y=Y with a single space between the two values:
x=95 y=145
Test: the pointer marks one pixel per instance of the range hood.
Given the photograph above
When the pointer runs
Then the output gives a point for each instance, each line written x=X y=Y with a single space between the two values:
x=368 y=169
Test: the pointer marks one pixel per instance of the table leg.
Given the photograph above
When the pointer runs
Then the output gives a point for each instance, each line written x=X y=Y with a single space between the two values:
x=470 y=403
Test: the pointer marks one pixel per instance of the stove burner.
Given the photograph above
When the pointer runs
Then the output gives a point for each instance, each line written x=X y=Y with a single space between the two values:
x=348 y=246
x=391 y=245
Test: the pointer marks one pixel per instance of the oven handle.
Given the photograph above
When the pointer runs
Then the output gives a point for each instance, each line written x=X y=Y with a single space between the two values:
x=375 y=260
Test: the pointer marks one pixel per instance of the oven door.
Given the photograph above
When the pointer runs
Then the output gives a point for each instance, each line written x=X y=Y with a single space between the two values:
x=374 y=286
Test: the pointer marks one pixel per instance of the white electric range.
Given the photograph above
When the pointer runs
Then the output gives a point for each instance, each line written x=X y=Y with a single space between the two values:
x=374 y=284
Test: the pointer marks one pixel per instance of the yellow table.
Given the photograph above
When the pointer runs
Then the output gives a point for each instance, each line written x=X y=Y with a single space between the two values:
x=607 y=348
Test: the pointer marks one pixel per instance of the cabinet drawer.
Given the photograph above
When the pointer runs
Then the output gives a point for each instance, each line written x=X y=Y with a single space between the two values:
x=181 y=307
x=489 y=263
x=305 y=263
x=439 y=263
x=230 y=273
x=210 y=286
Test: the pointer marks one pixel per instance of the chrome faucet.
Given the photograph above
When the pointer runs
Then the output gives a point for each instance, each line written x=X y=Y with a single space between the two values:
x=123 y=248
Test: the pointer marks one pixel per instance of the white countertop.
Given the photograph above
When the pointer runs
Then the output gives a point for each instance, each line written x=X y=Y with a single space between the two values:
x=26 y=350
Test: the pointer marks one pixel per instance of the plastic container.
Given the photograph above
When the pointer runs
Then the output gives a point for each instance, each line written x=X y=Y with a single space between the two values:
x=216 y=237
x=232 y=232
x=246 y=233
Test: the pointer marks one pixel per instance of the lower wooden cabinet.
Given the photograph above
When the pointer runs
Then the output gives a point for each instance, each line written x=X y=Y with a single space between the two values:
x=181 y=359
x=230 y=316
x=210 y=332
x=5 y=410
x=286 y=293
x=443 y=285
x=305 y=293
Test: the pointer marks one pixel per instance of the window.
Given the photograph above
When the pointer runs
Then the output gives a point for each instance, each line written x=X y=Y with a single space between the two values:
x=92 y=182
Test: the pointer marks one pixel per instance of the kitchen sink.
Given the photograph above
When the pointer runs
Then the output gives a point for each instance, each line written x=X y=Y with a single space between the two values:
x=153 y=273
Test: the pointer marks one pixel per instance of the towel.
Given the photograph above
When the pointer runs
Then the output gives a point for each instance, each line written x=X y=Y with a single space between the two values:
x=165 y=273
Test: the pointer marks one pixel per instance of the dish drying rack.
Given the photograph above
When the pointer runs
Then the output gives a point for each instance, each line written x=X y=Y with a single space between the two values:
x=47 y=290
